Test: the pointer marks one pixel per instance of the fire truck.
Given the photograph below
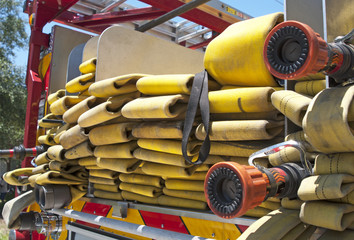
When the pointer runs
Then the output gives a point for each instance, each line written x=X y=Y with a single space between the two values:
x=217 y=126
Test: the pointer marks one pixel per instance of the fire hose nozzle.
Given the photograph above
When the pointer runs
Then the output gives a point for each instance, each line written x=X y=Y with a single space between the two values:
x=232 y=189
x=293 y=50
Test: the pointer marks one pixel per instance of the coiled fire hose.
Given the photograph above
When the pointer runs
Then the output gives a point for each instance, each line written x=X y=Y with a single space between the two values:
x=231 y=189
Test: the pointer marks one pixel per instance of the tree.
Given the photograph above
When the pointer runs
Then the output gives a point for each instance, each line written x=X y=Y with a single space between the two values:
x=13 y=92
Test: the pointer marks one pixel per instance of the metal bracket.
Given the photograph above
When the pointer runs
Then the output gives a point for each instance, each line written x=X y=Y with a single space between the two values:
x=120 y=210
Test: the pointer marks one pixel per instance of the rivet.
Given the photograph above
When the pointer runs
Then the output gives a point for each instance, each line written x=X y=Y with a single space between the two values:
x=162 y=226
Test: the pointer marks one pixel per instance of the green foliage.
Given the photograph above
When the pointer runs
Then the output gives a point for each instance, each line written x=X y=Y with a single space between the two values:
x=13 y=92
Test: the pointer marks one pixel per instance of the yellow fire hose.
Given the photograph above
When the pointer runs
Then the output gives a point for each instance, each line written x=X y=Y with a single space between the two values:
x=88 y=66
x=162 y=130
x=79 y=151
x=60 y=106
x=142 y=179
x=119 y=150
x=55 y=96
x=124 y=165
x=145 y=190
x=110 y=134
x=80 y=83
x=73 y=137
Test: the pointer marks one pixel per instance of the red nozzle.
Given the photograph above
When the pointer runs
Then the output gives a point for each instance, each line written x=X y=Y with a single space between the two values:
x=293 y=50
x=231 y=189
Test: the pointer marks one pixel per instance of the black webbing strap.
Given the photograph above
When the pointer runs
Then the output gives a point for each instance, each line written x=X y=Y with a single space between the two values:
x=198 y=97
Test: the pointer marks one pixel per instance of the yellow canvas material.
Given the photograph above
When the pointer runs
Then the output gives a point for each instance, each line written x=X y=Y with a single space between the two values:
x=181 y=202
x=104 y=173
x=108 y=195
x=240 y=130
x=285 y=155
x=60 y=132
x=169 y=146
x=46 y=139
x=194 y=176
x=349 y=198
x=80 y=83
x=192 y=195
x=237 y=149
x=110 y=134
x=79 y=151
x=257 y=212
x=165 y=84
x=140 y=198
x=300 y=232
x=55 y=177
x=212 y=159
x=327 y=123
x=124 y=165
x=310 y=88
x=291 y=204
x=326 y=187
x=105 y=181
x=334 y=164
x=115 y=86
x=142 y=179
x=165 y=170
x=73 y=136
x=12 y=177
x=242 y=100
x=73 y=114
x=56 y=152
x=107 y=188
x=119 y=150
x=65 y=167
x=55 y=96
x=270 y=205
x=272 y=115
x=161 y=130
x=41 y=159
x=94 y=167
x=160 y=157
x=169 y=106
x=15 y=206
x=188 y=185
x=293 y=105
x=242 y=63
x=40 y=169
x=49 y=116
x=77 y=192
x=106 y=110
x=343 y=235
x=60 y=106
x=334 y=216
x=87 y=161
x=274 y=225
x=88 y=66
x=145 y=190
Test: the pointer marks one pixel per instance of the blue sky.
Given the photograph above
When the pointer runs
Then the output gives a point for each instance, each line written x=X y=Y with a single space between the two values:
x=254 y=8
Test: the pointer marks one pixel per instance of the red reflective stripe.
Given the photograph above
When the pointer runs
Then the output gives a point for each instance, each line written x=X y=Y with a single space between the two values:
x=95 y=209
x=34 y=151
x=11 y=153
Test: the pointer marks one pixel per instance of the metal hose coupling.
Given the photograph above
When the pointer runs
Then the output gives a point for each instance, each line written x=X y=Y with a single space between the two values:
x=232 y=189
x=52 y=196
x=20 y=152
x=293 y=50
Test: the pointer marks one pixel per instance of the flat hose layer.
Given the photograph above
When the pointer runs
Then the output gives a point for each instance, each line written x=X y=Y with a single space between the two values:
x=56 y=152
x=169 y=106
x=310 y=88
x=166 y=170
x=124 y=165
x=89 y=66
x=272 y=115
x=73 y=136
x=46 y=139
x=13 y=177
x=55 y=96
x=336 y=216
x=334 y=164
x=119 y=150
x=293 y=105
x=115 y=86
x=42 y=159
x=142 y=179
x=60 y=106
x=322 y=187
x=55 y=177
x=108 y=195
x=107 y=188
x=160 y=130
x=169 y=146
x=110 y=134
x=105 y=111
x=240 y=130
x=145 y=190
x=194 y=176
x=87 y=161
x=106 y=181
x=188 y=185
x=241 y=63
x=165 y=84
x=73 y=114
x=84 y=149
x=69 y=167
x=80 y=83
x=242 y=100
x=160 y=157
x=291 y=204
x=140 y=198
x=192 y=195
x=273 y=226
x=42 y=123
x=104 y=173
x=327 y=123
